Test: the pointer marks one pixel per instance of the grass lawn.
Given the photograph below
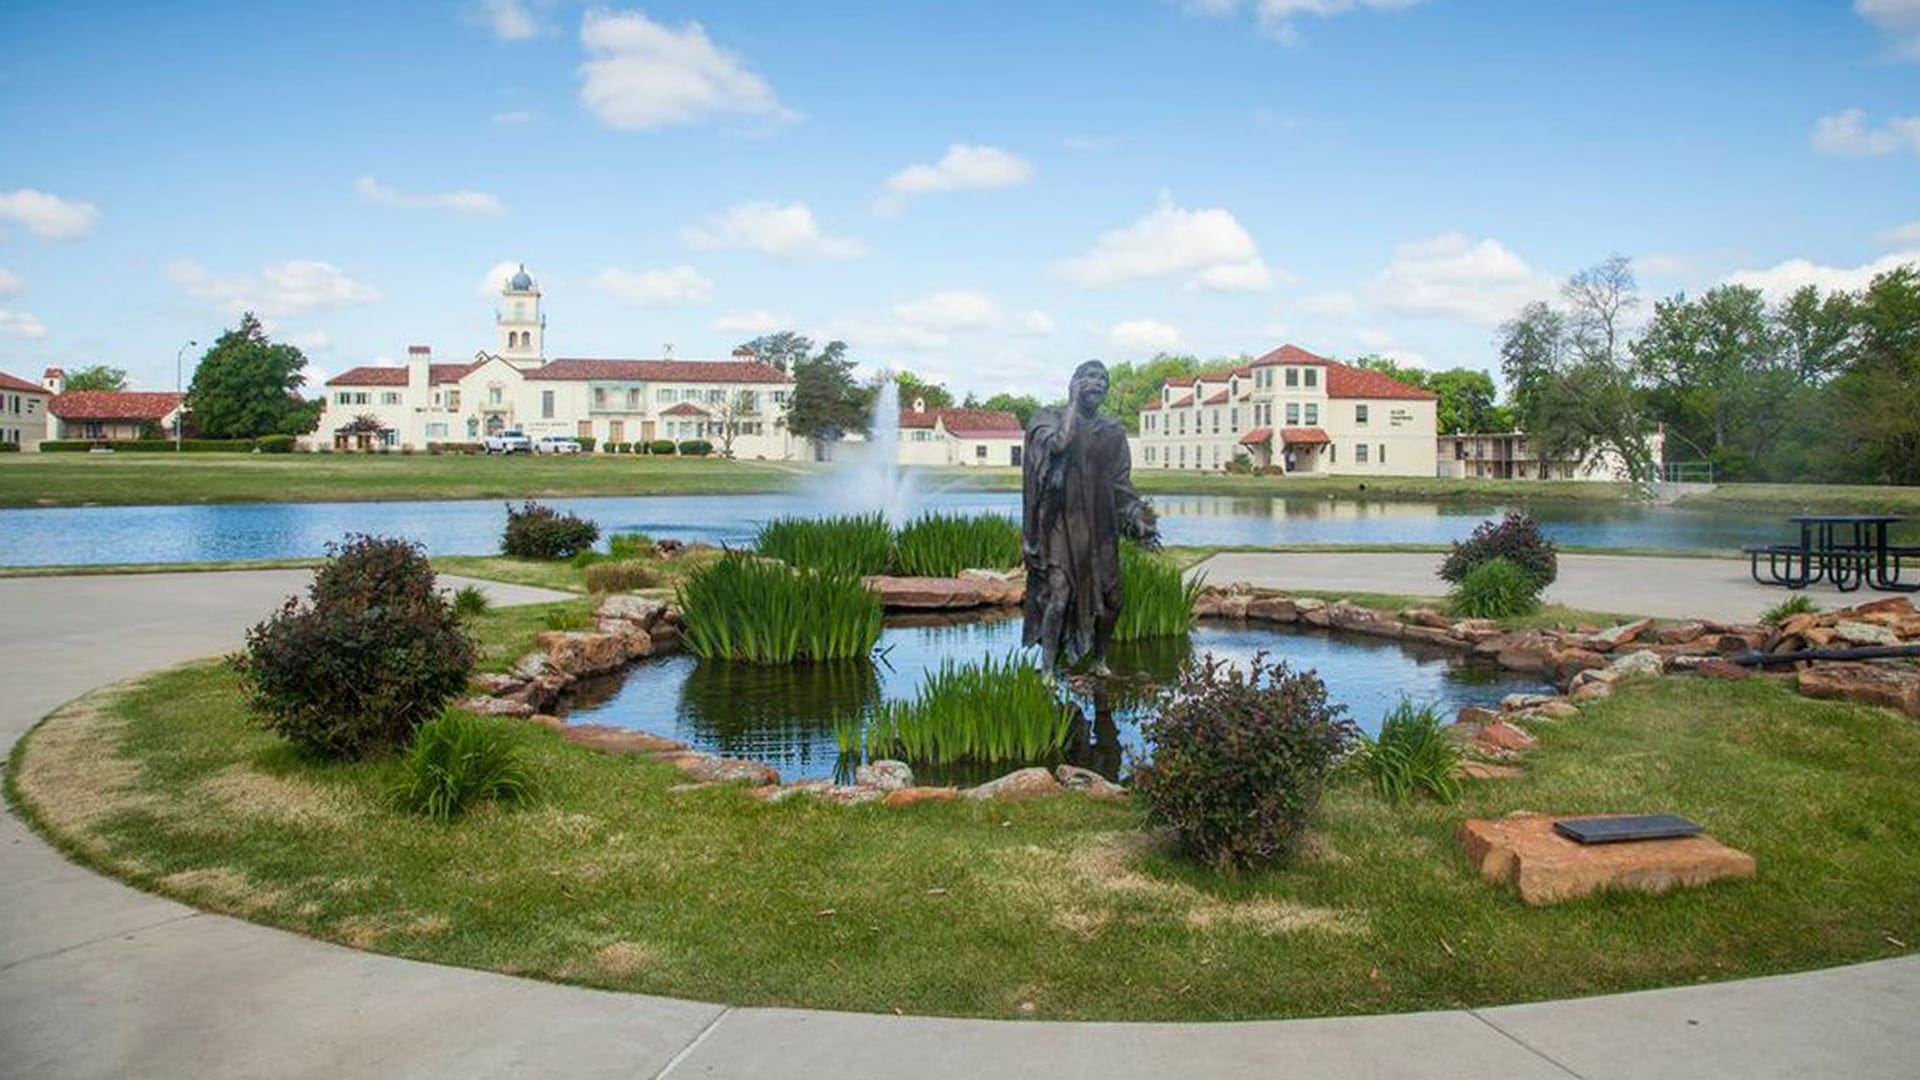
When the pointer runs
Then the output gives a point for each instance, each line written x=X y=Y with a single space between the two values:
x=132 y=479
x=1811 y=498
x=1061 y=908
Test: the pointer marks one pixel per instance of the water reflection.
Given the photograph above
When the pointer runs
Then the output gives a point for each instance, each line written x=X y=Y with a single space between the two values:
x=785 y=715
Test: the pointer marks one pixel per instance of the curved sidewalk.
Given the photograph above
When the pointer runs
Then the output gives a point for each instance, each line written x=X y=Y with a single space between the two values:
x=98 y=979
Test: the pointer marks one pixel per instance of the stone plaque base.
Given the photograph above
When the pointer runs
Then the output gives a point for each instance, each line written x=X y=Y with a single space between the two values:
x=1546 y=868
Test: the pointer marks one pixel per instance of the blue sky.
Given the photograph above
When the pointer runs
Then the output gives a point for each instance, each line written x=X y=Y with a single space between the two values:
x=986 y=193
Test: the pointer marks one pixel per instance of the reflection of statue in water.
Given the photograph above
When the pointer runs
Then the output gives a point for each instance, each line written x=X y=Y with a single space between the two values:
x=1077 y=501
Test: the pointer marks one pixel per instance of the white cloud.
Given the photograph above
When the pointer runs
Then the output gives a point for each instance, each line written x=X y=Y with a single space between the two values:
x=10 y=282
x=514 y=117
x=964 y=168
x=1907 y=235
x=1847 y=133
x=495 y=279
x=459 y=202
x=48 y=216
x=1373 y=338
x=19 y=324
x=1208 y=247
x=508 y=20
x=314 y=341
x=288 y=288
x=643 y=75
x=756 y=322
x=1330 y=305
x=1781 y=279
x=1277 y=16
x=788 y=231
x=1034 y=324
x=954 y=310
x=866 y=334
x=1661 y=265
x=656 y=288
x=1144 y=337
x=1900 y=18
x=1451 y=275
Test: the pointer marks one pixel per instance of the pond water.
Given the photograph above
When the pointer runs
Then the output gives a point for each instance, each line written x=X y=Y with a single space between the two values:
x=784 y=715
x=217 y=533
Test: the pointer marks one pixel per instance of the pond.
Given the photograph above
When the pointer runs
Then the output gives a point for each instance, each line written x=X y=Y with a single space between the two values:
x=226 y=532
x=784 y=714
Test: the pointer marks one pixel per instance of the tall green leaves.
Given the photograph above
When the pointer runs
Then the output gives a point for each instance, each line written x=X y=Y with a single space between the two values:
x=934 y=545
x=1158 y=598
x=857 y=544
x=744 y=608
x=994 y=711
x=1412 y=753
x=942 y=545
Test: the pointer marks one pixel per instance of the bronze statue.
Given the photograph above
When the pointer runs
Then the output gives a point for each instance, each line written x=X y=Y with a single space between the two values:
x=1077 y=500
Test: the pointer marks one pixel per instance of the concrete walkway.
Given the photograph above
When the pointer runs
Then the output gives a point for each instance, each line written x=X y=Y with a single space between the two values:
x=97 y=979
x=1676 y=588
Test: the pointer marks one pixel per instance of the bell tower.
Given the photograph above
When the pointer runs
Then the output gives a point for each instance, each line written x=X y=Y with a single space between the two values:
x=523 y=328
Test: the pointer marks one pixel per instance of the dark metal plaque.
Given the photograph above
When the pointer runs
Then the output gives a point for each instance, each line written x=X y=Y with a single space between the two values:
x=1614 y=830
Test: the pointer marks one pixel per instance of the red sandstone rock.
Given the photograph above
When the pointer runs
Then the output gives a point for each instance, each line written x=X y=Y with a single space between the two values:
x=1476 y=714
x=719 y=770
x=1591 y=691
x=1504 y=736
x=1546 y=868
x=1897 y=605
x=1426 y=617
x=1721 y=669
x=1608 y=640
x=1277 y=609
x=1892 y=686
x=1482 y=770
x=1531 y=651
x=1680 y=633
x=1572 y=661
x=583 y=652
x=1433 y=636
x=612 y=740
x=912 y=795
x=1088 y=783
x=999 y=587
x=485 y=705
x=1021 y=784
x=928 y=593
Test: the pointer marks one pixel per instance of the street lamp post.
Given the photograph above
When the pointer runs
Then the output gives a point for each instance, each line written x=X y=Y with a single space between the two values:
x=180 y=410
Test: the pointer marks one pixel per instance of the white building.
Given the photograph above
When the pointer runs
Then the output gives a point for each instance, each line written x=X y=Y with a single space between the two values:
x=108 y=415
x=959 y=436
x=1293 y=411
x=23 y=414
x=1511 y=456
x=738 y=404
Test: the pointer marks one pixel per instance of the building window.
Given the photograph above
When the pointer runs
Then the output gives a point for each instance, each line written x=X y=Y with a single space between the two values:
x=1183 y=423
x=493 y=395
x=1293 y=376
x=1149 y=455
x=1183 y=457
x=599 y=397
x=1216 y=421
x=633 y=400
x=390 y=398
x=1293 y=413
x=980 y=452
x=343 y=398
x=360 y=398
x=1313 y=413
x=453 y=400
x=1360 y=453
x=1360 y=415
x=546 y=404
x=1313 y=376
x=1333 y=453
x=1382 y=456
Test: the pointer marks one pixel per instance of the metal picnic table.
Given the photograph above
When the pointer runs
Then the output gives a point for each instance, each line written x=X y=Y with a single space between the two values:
x=1849 y=550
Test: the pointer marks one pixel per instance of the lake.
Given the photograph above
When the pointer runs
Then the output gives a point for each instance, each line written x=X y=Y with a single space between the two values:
x=226 y=532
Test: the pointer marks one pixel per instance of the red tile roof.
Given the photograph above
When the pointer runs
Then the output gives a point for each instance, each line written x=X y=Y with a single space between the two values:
x=923 y=418
x=114 y=404
x=1184 y=380
x=1152 y=403
x=1303 y=436
x=685 y=408
x=397 y=376
x=1256 y=436
x=1345 y=380
x=981 y=423
x=1217 y=399
x=1188 y=400
x=20 y=386
x=700 y=371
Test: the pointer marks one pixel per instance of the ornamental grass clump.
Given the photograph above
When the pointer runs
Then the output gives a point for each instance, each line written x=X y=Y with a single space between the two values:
x=457 y=762
x=1515 y=538
x=942 y=545
x=374 y=651
x=1411 y=754
x=1797 y=604
x=856 y=544
x=1158 y=598
x=470 y=601
x=1240 y=758
x=612 y=577
x=535 y=531
x=744 y=608
x=989 y=712
x=1496 y=589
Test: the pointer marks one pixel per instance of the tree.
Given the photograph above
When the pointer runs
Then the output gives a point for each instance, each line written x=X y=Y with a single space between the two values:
x=1022 y=406
x=1130 y=385
x=97 y=377
x=912 y=386
x=1715 y=376
x=1879 y=393
x=734 y=411
x=826 y=403
x=784 y=350
x=247 y=386
x=1467 y=402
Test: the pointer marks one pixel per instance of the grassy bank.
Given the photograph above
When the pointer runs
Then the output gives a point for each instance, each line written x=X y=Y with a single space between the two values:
x=1061 y=908
x=140 y=479
x=1415 y=488
x=1809 y=498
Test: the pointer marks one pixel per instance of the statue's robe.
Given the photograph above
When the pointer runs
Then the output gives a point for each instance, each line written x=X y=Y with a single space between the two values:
x=1077 y=500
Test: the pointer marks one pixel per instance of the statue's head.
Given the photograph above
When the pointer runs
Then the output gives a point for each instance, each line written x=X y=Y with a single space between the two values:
x=1088 y=389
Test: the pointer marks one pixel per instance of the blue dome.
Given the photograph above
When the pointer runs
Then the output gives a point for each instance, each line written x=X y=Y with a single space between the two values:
x=522 y=281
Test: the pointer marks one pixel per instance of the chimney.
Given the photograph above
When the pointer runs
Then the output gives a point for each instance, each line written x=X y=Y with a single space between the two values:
x=419 y=366
x=55 y=380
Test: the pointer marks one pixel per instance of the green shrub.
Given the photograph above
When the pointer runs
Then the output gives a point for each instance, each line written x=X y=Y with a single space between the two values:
x=457 y=762
x=586 y=443
x=566 y=619
x=1156 y=598
x=374 y=651
x=1411 y=753
x=1239 y=759
x=695 y=448
x=660 y=446
x=469 y=601
x=942 y=545
x=855 y=544
x=1797 y=604
x=743 y=608
x=989 y=712
x=540 y=532
x=274 y=444
x=1515 y=538
x=150 y=446
x=635 y=545
x=1496 y=589
x=9 y=448
x=457 y=447
x=610 y=577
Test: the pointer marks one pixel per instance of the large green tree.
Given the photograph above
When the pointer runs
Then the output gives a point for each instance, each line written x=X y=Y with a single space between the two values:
x=1131 y=385
x=1466 y=396
x=96 y=377
x=826 y=403
x=1022 y=406
x=247 y=386
x=912 y=386
x=1879 y=392
x=784 y=350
